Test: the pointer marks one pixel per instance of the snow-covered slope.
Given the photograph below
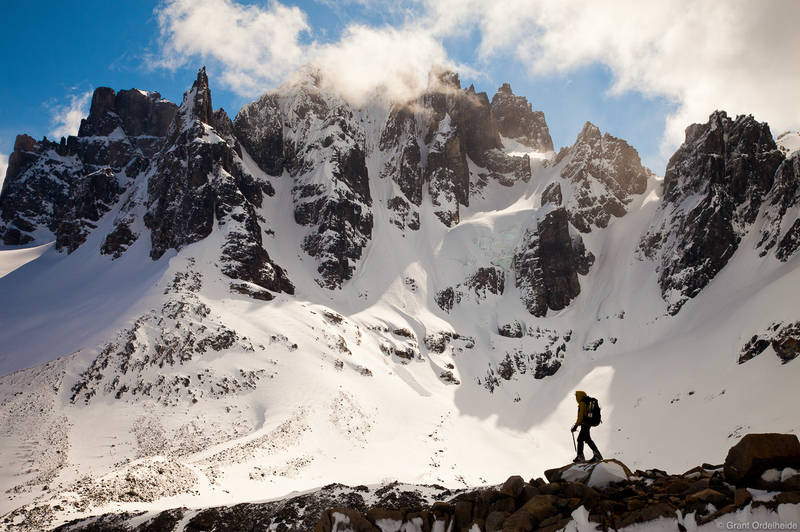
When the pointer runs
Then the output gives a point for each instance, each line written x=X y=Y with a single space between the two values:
x=316 y=293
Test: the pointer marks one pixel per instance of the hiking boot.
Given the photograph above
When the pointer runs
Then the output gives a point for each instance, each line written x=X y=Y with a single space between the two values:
x=596 y=458
x=578 y=459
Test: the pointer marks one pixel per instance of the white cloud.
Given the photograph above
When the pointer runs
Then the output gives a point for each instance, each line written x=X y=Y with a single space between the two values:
x=254 y=47
x=3 y=168
x=741 y=55
x=66 y=118
x=366 y=59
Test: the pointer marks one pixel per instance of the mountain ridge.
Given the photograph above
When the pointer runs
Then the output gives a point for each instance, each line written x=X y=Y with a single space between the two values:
x=266 y=321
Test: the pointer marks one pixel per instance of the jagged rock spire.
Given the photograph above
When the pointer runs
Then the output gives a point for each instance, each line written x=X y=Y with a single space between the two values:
x=197 y=100
x=517 y=120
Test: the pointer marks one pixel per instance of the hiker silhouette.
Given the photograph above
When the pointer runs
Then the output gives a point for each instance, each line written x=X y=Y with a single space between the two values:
x=588 y=417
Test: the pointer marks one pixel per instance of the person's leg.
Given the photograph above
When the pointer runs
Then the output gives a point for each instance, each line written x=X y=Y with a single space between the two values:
x=590 y=443
x=582 y=435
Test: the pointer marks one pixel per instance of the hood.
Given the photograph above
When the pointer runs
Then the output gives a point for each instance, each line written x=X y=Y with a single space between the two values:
x=579 y=395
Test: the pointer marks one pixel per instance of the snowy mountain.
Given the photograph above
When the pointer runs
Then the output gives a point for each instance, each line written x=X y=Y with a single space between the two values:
x=316 y=292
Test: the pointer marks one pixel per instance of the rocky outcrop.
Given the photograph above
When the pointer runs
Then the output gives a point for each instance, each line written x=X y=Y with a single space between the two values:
x=517 y=120
x=714 y=186
x=780 y=229
x=296 y=514
x=316 y=138
x=536 y=363
x=198 y=181
x=143 y=116
x=453 y=128
x=259 y=127
x=324 y=146
x=477 y=287
x=62 y=190
x=602 y=173
x=783 y=338
x=607 y=494
x=548 y=260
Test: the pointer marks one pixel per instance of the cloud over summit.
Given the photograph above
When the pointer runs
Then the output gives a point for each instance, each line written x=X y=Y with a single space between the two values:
x=742 y=56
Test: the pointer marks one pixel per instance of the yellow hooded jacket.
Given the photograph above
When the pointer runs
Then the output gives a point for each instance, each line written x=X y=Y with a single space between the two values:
x=579 y=395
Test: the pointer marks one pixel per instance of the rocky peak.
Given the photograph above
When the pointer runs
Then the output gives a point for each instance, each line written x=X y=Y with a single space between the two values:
x=714 y=187
x=98 y=123
x=589 y=133
x=197 y=101
x=62 y=190
x=740 y=155
x=199 y=184
x=505 y=90
x=440 y=78
x=603 y=173
x=136 y=112
x=517 y=120
x=456 y=126
x=259 y=127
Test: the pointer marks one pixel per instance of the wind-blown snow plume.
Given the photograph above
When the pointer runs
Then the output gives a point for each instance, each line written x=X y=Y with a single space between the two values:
x=67 y=118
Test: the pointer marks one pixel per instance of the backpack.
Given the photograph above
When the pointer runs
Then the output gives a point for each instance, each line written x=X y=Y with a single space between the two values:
x=592 y=416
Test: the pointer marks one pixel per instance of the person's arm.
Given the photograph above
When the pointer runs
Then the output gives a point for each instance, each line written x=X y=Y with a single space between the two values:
x=581 y=413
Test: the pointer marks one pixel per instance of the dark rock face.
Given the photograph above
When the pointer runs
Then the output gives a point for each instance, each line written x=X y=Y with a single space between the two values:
x=451 y=126
x=317 y=139
x=118 y=241
x=476 y=287
x=781 y=227
x=713 y=188
x=325 y=156
x=136 y=112
x=538 y=364
x=548 y=261
x=784 y=339
x=63 y=189
x=517 y=120
x=259 y=127
x=605 y=172
x=198 y=179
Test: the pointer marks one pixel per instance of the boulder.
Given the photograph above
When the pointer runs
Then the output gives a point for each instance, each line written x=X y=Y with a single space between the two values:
x=646 y=513
x=531 y=514
x=341 y=519
x=756 y=453
x=495 y=520
x=599 y=474
x=708 y=496
x=513 y=486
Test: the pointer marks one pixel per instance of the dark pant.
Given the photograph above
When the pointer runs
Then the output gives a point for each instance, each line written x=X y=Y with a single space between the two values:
x=583 y=436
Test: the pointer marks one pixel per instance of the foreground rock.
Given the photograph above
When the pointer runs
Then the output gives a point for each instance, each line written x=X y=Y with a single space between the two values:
x=607 y=494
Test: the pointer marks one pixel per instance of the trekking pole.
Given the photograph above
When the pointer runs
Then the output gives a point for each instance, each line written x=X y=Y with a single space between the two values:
x=573 y=441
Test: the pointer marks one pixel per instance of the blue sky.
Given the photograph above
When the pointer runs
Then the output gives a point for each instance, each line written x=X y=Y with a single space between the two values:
x=639 y=72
